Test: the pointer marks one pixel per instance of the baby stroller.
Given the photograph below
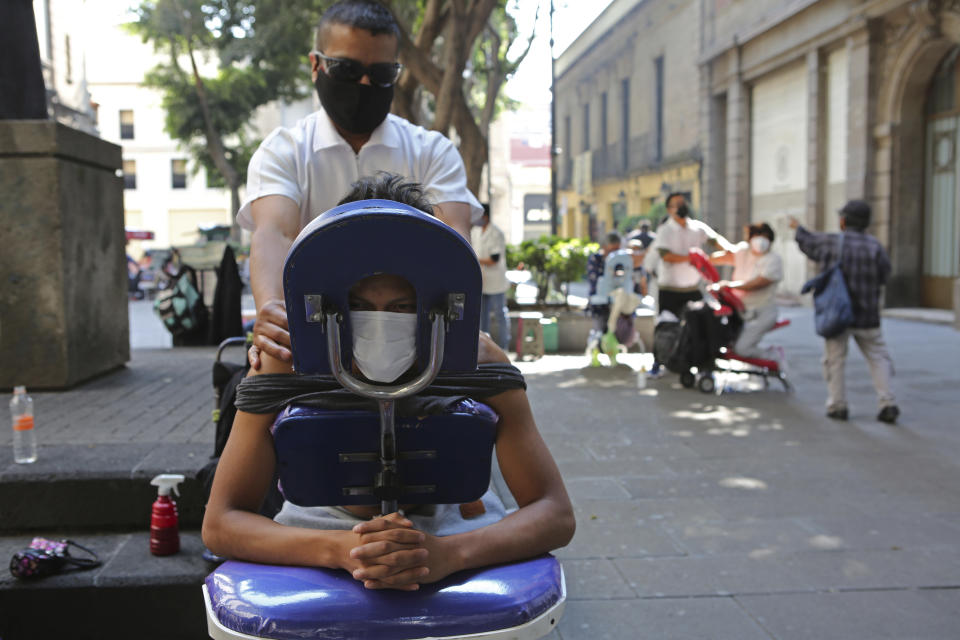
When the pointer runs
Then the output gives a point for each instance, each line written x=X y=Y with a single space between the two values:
x=700 y=344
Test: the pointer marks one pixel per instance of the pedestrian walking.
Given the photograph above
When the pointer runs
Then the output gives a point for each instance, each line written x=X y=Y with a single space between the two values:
x=491 y=247
x=865 y=266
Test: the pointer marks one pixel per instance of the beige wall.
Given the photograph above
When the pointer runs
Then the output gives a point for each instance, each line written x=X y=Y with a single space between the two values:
x=624 y=44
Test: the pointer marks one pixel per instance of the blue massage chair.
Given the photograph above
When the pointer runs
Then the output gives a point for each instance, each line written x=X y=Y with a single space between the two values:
x=352 y=457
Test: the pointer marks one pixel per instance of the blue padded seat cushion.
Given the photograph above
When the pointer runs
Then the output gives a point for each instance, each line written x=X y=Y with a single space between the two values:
x=297 y=602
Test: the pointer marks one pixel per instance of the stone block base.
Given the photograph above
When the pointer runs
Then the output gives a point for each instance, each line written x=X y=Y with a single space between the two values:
x=63 y=302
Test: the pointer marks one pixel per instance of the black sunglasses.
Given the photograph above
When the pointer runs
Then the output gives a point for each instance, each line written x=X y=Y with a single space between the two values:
x=382 y=74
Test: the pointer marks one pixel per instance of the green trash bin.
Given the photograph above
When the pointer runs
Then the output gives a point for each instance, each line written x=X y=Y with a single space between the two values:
x=551 y=335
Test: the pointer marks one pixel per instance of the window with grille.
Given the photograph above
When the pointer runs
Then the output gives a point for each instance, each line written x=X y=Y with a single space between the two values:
x=178 y=171
x=129 y=174
x=126 y=124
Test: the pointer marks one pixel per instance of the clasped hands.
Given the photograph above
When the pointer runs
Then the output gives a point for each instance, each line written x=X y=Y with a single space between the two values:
x=391 y=554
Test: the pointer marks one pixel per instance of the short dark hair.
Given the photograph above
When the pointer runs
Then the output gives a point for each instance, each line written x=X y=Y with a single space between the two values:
x=359 y=14
x=612 y=238
x=673 y=195
x=760 y=229
x=856 y=215
x=389 y=186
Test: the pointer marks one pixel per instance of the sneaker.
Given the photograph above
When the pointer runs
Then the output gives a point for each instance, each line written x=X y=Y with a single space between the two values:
x=838 y=414
x=889 y=414
x=656 y=372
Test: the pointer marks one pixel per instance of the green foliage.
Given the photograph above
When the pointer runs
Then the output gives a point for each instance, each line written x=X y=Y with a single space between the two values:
x=261 y=53
x=553 y=261
x=656 y=214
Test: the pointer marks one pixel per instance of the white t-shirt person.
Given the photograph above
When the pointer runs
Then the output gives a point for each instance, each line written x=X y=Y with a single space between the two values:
x=313 y=165
x=488 y=243
x=679 y=239
x=748 y=265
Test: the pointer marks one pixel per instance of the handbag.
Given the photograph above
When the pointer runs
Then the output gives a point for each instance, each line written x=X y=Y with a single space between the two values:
x=832 y=307
x=46 y=557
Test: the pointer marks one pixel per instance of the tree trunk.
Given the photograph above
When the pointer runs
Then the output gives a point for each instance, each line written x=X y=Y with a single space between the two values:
x=473 y=144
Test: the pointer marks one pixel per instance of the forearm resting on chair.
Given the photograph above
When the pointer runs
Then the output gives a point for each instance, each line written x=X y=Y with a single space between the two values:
x=544 y=520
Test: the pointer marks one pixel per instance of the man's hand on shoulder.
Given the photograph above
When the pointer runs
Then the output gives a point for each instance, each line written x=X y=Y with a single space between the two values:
x=271 y=333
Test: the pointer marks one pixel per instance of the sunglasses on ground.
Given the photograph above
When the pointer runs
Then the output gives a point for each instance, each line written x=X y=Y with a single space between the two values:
x=382 y=74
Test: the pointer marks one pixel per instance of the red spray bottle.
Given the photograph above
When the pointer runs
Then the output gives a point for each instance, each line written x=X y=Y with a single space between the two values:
x=164 y=524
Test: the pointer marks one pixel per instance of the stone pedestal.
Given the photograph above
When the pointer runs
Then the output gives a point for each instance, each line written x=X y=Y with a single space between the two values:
x=63 y=274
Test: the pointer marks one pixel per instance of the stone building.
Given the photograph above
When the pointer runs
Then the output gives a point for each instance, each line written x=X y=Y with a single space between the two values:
x=806 y=104
x=766 y=109
x=628 y=114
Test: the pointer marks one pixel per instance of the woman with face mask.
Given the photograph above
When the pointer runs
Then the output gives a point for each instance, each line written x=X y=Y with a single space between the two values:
x=756 y=272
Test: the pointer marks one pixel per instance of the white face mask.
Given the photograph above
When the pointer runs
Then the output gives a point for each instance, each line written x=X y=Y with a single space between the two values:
x=384 y=343
x=760 y=244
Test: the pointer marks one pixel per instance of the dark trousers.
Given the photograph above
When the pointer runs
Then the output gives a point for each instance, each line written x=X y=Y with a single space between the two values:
x=675 y=301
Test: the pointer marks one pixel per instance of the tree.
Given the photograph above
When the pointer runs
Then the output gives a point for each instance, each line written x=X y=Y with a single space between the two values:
x=456 y=52
x=260 y=55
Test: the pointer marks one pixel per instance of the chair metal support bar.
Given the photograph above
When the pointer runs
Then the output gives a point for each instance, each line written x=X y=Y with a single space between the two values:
x=386 y=396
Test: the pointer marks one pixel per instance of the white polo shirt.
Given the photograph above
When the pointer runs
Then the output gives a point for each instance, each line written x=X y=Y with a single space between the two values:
x=311 y=164
x=679 y=239
x=487 y=242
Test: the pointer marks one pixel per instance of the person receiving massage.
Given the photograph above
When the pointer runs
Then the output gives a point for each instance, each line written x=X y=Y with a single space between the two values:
x=421 y=543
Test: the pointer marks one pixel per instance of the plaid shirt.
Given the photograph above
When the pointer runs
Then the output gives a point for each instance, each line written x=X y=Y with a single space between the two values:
x=865 y=268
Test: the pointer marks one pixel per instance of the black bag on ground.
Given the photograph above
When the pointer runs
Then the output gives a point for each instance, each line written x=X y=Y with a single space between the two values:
x=665 y=337
x=702 y=335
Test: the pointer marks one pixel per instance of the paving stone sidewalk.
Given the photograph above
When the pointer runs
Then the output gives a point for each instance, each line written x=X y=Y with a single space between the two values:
x=745 y=515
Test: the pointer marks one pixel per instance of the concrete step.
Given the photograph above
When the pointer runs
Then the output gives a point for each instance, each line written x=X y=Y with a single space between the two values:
x=97 y=487
x=133 y=594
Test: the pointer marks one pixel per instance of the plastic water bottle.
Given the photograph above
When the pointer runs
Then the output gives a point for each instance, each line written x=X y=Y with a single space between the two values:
x=642 y=377
x=24 y=438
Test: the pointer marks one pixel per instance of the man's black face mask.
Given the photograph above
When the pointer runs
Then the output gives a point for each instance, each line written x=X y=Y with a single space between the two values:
x=683 y=211
x=354 y=107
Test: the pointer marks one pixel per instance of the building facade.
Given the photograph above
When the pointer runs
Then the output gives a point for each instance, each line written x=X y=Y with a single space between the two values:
x=628 y=114
x=165 y=191
x=774 y=109
x=62 y=42
x=519 y=191
x=807 y=104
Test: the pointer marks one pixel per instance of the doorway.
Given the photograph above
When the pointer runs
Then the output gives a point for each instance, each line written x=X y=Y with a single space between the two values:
x=941 y=230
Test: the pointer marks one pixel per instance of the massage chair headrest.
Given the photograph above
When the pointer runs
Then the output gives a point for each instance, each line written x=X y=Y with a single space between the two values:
x=360 y=239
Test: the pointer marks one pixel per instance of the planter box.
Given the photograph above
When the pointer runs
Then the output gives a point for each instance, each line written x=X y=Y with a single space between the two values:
x=573 y=327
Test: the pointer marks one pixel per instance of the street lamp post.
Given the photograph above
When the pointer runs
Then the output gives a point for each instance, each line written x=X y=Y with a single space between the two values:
x=554 y=222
